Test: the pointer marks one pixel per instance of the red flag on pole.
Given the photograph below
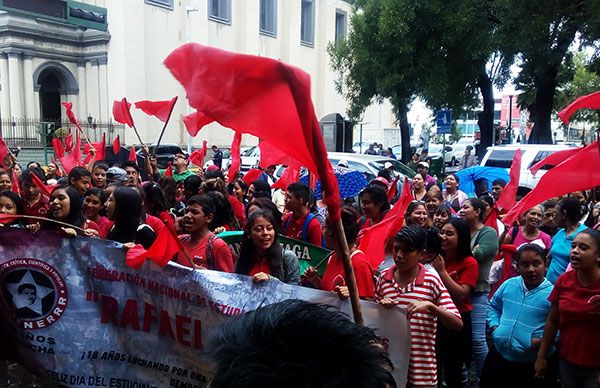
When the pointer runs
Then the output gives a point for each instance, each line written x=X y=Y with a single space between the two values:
x=590 y=101
x=4 y=152
x=290 y=175
x=16 y=186
x=159 y=109
x=68 y=162
x=59 y=150
x=508 y=198
x=58 y=170
x=161 y=251
x=197 y=157
x=391 y=193
x=554 y=159
x=236 y=160
x=195 y=121
x=251 y=176
x=579 y=172
x=271 y=156
x=40 y=185
x=132 y=154
x=260 y=96
x=121 y=112
x=71 y=115
x=492 y=219
x=116 y=145
x=100 y=148
x=69 y=142
x=169 y=170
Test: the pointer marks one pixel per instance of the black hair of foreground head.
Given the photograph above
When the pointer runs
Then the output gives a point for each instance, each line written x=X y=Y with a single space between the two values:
x=298 y=344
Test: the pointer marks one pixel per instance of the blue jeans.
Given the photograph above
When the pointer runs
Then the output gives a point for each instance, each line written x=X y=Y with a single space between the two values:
x=575 y=376
x=478 y=321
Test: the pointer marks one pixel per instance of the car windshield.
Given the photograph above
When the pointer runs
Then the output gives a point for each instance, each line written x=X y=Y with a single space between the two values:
x=249 y=151
x=500 y=158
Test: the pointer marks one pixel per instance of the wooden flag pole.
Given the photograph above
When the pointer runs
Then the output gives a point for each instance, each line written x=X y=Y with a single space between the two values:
x=138 y=135
x=165 y=126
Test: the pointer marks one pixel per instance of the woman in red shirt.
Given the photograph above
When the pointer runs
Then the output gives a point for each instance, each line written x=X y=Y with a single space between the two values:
x=374 y=204
x=94 y=210
x=66 y=207
x=261 y=254
x=458 y=270
x=334 y=277
x=575 y=311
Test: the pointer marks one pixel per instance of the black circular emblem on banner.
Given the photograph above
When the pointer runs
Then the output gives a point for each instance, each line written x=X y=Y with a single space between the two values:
x=33 y=291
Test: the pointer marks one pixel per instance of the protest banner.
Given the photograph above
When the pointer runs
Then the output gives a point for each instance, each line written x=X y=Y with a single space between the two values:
x=72 y=312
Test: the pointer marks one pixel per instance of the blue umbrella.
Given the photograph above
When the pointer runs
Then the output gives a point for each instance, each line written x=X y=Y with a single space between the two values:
x=470 y=175
x=350 y=184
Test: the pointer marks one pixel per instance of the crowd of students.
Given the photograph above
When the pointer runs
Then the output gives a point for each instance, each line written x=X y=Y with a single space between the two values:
x=468 y=308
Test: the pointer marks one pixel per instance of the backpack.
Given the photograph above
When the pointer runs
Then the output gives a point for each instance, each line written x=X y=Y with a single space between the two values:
x=304 y=233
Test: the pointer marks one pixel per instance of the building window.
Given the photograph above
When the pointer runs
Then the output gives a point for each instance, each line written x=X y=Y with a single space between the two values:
x=341 y=23
x=307 y=23
x=220 y=10
x=268 y=17
x=168 y=4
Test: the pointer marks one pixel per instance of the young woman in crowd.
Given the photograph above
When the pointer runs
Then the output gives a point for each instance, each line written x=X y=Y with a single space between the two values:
x=36 y=204
x=169 y=189
x=416 y=214
x=202 y=246
x=575 y=311
x=218 y=185
x=529 y=232
x=458 y=270
x=5 y=181
x=155 y=204
x=453 y=196
x=94 y=210
x=266 y=204
x=374 y=204
x=11 y=205
x=441 y=215
x=484 y=245
x=433 y=199
x=239 y=190
x=223 y=218
x=567 y=215
x=410 y=286
x=261 y=254
x=334 y=276
x=66 y=207
x=418 y=187
x=516 y=317
x=99 y=175
x=124 y=209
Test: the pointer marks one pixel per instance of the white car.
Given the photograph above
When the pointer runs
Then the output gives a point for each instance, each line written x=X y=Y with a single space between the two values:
x=502 y=156
x=435 y=150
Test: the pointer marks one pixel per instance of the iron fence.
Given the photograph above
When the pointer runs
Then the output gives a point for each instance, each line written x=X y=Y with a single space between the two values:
x=32 y=133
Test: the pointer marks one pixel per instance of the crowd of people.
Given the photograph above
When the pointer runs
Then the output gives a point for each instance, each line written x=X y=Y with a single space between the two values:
x=527 y=321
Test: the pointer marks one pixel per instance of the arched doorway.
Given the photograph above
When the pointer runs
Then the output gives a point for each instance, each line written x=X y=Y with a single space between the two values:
x=50 y=89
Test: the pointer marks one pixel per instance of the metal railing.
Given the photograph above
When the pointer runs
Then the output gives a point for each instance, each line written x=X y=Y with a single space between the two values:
x=30 y=132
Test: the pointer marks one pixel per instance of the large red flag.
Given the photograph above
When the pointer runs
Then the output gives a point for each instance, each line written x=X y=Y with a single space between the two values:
x=4 y=152
x=554 y=159
x=121 y=112
x=68 y=162
x=100 y=148
x=161 y=251
x=132 y=155
x=591 y=101
x=116 y=146
x=400 y=208
x=492 y=219
x=391 y=193
x=260 y=96
x=71 y=115
x=76 y=152
x=271 y=155
x=579 y=172
x=197 y=157
x=251 y=176
x=195 y=121
x=159 y=109
x=236 y=160
x=508 y=198
x=290 y=175
x=59 y=150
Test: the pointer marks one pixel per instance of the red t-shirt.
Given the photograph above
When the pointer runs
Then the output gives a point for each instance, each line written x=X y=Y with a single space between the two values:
x=167 y=219
x=294 y=229
x=104 y=225
x=38 y=209
x=238 y=209
x=221 y=254
x=261 y=266
x=362 y=272
x=579 y=320
x=463 y=272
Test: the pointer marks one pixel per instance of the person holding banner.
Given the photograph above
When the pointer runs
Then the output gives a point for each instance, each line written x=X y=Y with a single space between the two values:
x=334 y=275
x=261 y=254
x=66 y=207
x=124 y=209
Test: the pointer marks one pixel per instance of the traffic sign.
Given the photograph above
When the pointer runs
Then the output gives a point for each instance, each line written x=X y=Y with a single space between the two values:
x=444 y=122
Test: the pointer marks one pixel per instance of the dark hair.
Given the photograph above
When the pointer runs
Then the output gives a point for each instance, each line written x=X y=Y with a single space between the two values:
x=437 y=194
x=594 y=234
x=19 y=204
x=75 y=216
x=411 y=208
x=223 y=211
x=477 y=205
x=127 y=214
x=100 y=165
x=77 y=173
x=7 y=174
x=463 y=247
x=549 y=204
x=214 y=184
x=571 y=207
x=26 y=175
x=301 y=191
x=243 y=264
x=499 y=182
x=241 y=183
x=350 y=218
x=384 y=173
x=249 y=349
x=261 y=189
x=37 y=165
x=434 y=241
x=206 y=204
x=101 y=194
x=191 y=184
x=454 y=175
x=487 y=199
x=26 y=286
x=414 y=237
x=214 y=174
x=169 y=189
x=443 y=209
x=267 y=204
x=154 y=199
x=378 y=196
x=536 y=249
x=129 y=163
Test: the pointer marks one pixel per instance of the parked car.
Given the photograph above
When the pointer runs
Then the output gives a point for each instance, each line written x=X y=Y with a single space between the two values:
x=250 y=158
x=164 y=153
x=435 y=150
x=356 y=147
x=502 y=156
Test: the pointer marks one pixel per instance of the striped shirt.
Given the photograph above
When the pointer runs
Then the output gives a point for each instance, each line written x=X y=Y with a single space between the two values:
x=427 y=286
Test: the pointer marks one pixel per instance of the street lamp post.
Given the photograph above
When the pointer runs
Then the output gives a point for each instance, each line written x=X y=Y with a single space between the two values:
x=509 y=129
x=188 y=38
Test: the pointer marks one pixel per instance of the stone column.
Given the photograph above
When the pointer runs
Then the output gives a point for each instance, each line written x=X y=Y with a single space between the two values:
x=28 y=86
x=4 y=88
x=103 y=89
x=82 y=98
x=91 y=84
x=14 y=73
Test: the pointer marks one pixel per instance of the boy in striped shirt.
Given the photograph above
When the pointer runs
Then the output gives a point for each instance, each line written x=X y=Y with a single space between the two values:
x=410 y=286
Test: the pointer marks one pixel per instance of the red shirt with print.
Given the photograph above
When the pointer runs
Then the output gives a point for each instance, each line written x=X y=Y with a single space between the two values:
x=38 y=209
x=294 y=229
x=463 y=272
x=222 y=258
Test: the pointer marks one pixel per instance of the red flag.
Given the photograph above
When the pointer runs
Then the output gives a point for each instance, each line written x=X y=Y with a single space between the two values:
x=16 y=186
x=391 y=193
x=400 y=208
x=132 y=155
x=492 y=219
x=100 y=148
x=38 y=182
x=271 y=156
x=69 y=142
x=71 y=115
x=251 y=176
x=4 y=152
x=591 y=101
x=236 y=160
x=554 y=159
x=508 y=198
x=161 y=251
x=68 y=162
x=58 y=170
x=290 y=175
x=121 y=112
x=195 y=121
x=77 y=149
x=197 y=157
x=579 y=172
x=59 y=150
x=116 y=145
x=160 y=109
x=169 y=170
x=260 y=96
